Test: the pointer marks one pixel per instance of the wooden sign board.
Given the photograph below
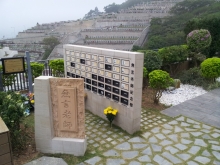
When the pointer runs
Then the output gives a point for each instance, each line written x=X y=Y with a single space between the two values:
x=13 y=65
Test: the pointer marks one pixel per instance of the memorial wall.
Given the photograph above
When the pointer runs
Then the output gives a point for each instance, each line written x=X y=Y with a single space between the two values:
x=111 y=78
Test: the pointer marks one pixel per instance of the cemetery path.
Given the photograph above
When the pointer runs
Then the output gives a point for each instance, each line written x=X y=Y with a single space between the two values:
x=205 y=108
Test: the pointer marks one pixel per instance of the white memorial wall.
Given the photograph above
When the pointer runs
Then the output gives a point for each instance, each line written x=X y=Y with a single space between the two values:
x=111 y=78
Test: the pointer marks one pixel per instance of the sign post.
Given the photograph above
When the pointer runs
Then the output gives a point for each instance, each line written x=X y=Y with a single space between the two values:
x=1 y=83
x=29 y=72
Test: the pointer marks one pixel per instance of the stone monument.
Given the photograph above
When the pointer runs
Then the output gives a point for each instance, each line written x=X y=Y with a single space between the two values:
x=60 y=115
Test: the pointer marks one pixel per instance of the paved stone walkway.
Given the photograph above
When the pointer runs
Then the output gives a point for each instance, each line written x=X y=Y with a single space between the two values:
x=164 y=141
x=101 y=137
x=205 y=108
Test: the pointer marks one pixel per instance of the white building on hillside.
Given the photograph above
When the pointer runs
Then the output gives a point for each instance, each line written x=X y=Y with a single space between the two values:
x=6 y=52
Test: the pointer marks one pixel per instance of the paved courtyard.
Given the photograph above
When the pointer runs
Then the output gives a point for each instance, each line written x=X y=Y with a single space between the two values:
x=163 y=141
x=182 y=139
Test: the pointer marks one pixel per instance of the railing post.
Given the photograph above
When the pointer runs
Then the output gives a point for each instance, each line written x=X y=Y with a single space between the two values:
x=29 y=72
x=1 y=82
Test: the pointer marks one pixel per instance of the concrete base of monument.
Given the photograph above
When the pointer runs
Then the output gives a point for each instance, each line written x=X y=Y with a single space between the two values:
x=72 y=146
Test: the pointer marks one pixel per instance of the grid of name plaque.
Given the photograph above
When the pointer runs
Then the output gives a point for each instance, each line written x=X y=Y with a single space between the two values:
x=107 y=76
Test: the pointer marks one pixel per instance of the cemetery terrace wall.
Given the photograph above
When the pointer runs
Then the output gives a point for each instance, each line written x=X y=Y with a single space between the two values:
x=104 y=23
x=30 y=34
x=111 y=38
x=143 y=37
x=31 y=40
x=125 y=47
x=111 y=33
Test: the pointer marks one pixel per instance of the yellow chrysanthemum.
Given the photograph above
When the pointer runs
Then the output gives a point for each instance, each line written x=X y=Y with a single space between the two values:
x=32 y=101
x=110 y=110
x=113 y=112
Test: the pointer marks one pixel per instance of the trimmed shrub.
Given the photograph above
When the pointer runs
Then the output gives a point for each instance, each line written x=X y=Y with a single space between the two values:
x=152 y=60
x=173 y=54
x=172 y=57
x=37 y=69
x=211 y=68
x=198 y=40
x=57 y=67
x=159 y=80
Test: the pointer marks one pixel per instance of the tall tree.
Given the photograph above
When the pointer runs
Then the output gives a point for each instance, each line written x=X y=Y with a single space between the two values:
x=111 y=8
x=50 y=44
x=211 y=23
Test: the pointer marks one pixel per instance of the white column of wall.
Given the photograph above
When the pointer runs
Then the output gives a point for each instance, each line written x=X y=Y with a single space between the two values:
x=43 y=121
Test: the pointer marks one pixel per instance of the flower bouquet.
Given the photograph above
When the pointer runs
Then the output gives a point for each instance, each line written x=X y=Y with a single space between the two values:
x=31 y=100
x=110 y=114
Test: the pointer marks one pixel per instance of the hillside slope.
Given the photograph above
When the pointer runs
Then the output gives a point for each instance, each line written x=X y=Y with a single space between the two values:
x=170 y=30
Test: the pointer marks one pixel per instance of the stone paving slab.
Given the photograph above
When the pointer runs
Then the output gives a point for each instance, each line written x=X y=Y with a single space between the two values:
x=47 y=161
x=178 y=141
x=205 y=108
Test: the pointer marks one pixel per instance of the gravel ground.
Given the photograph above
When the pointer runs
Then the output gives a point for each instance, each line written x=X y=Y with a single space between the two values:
x=179 y=95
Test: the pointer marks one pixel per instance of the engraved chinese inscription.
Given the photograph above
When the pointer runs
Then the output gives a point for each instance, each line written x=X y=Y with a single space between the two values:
x=67 y=109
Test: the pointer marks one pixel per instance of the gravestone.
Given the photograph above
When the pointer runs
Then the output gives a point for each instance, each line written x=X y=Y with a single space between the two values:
x=60 y=115
x=111 y=78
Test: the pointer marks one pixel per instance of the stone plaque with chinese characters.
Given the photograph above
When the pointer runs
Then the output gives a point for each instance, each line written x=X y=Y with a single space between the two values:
x=67 y=109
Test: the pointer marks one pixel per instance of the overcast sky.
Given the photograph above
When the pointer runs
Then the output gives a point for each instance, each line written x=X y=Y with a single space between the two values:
x=18 y=15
